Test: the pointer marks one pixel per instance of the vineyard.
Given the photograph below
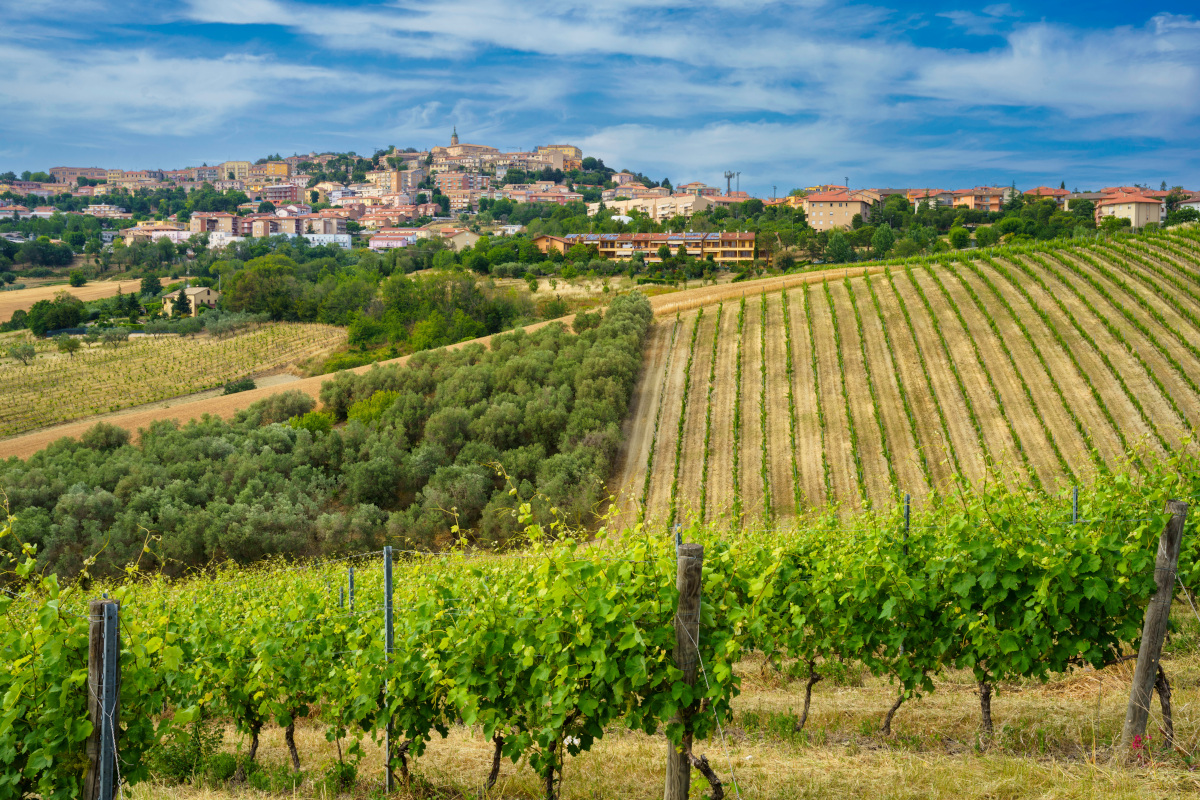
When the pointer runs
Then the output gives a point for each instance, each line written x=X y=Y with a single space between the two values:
x=100 y=379
x=1043 y=366
x=544 y=652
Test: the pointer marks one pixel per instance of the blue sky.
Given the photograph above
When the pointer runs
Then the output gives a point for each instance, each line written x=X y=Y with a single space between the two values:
x=787 y=93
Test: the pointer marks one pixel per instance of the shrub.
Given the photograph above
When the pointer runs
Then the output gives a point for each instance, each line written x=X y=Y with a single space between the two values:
x=279 y=407
x=313 y=422
x=240 y=385
x=369 y=410
x=78 y=278
x=585 y=321
x=103 y=436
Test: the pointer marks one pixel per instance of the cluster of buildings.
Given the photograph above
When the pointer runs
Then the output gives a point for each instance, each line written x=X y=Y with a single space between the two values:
x=724 y=247
x=831 y=207
x=222 y=228
x=462 y=176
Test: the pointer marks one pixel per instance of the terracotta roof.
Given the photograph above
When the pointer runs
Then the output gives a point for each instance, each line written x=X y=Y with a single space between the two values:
x=836 y=197
x=1119 y=199
x=1047 y=191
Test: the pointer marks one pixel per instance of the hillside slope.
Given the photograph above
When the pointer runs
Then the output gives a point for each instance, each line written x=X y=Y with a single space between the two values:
x=1035 y=366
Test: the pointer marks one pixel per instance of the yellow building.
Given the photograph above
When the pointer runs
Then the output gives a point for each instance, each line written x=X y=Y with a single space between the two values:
x=270 y=170
x=199 y=296
x=725 y=247
x=1139 y=209
x=240 y=170
x=568 y=150
x=827 y=211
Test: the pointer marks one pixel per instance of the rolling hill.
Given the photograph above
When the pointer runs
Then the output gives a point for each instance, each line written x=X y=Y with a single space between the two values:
x=1036 y=365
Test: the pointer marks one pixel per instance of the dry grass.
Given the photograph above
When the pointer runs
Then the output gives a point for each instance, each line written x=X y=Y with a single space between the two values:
x=1052 y=740
x=23 y=299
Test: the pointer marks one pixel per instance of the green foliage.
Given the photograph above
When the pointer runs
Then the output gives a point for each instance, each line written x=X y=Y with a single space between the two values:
x=78 y=278
x=959 y=237
x=838 y=250
x=23 y=352
x=313 y=422
x=240 y=385
x=151 y=286
x=64 y=311
x=547 y=406
x=568 y=641
x=370 y=409
x=585 y=321
x=67 y=344
x=187 y=753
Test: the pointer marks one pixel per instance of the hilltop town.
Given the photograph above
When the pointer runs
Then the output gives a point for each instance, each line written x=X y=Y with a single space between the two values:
x=394 y=198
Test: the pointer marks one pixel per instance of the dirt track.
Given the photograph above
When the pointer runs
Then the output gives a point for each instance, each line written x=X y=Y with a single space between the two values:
x=23 y=299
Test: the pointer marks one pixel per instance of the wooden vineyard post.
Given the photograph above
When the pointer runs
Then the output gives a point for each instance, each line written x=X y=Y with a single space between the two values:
x=104 y=653
x=1154 y=630
x=689 y=569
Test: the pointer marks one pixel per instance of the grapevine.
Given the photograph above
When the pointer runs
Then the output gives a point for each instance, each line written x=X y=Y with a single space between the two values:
x=712 y=382
x=854 y=448
x=797 y=490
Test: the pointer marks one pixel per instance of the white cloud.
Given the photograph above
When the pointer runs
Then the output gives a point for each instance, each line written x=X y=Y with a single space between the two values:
x=143 y=92
x=1079 y=75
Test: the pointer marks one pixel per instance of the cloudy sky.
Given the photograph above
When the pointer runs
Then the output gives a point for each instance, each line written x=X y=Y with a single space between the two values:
x=787 y=93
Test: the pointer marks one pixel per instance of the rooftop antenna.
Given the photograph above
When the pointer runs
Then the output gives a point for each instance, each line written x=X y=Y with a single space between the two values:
x=728 y=181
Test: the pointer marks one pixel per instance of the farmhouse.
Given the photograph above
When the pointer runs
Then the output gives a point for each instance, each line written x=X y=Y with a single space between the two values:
x=198 y=296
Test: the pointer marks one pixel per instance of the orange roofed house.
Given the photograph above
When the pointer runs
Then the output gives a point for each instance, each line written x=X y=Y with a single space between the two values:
x=983 y=198
x=1139 y=207
x=1059 y=196
x=725 y=247
x=827 y=211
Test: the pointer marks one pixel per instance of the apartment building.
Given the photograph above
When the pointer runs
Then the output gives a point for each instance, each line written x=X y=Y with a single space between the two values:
x=390 y=238
x=659 y=208
x=983 y=198
x=726 y=247
x=1139 y=208
x=930 y=198
x=633 y=191
x=1059 y=196
x=202 y=174
x=106 y=211
x=567 y=150
x=451 y=181
x=283 y=193
x=234 y=170
x=269 y=170
x=698 y=189
x=73 y=174
x=827 y=211
x=213 y=222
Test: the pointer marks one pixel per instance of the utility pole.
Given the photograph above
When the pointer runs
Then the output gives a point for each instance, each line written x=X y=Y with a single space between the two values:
x=739 y=183
x=773 y=188
x=728 y=181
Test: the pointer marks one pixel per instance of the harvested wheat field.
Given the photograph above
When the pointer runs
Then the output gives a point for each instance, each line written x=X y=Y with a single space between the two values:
x=23 y=299
x=1037 y=366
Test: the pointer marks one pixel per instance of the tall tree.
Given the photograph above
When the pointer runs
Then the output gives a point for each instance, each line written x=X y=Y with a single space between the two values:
x=183 y=304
